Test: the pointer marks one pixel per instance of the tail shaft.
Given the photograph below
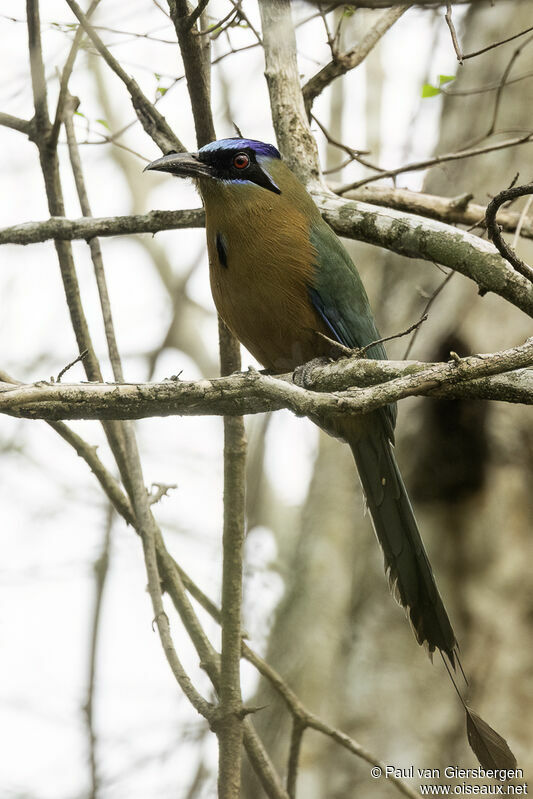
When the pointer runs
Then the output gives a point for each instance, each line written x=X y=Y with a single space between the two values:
x=407 y=565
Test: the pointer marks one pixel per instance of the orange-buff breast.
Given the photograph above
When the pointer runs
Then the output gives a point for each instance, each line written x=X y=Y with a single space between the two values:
x=261 y=291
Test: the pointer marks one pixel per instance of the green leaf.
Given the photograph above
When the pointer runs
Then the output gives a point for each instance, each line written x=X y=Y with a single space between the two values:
x=429 y=91
x=445 y=79
x=79 y=114
x=162 y=90
x=104 y=123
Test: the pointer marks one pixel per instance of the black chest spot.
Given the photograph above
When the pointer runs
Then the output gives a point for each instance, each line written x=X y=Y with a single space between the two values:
x=222 y=250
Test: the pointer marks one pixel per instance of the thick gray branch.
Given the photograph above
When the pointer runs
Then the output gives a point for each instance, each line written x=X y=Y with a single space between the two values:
x=58 y=227
x=454 y=210
x=430 y=240
x=253 y=392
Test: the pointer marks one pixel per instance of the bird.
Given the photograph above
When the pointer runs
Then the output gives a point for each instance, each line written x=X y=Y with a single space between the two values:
x=284 y=284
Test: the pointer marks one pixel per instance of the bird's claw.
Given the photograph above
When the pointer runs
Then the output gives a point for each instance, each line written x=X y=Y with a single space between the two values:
x=302 y=375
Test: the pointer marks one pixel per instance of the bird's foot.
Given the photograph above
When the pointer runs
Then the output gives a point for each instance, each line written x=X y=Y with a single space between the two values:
x=303 y=374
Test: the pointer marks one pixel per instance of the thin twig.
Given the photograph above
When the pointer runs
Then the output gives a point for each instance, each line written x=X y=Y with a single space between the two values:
x=449 y=21
x=501 y=87
x=69 y=106
x=496 y=44
x=65 y=369
x=494 y=229
x=415 y=166
x=242 y=15
x=336 y=143
x=219 y=25
x=406 y=332
x=428 y=305
x=152 y=121
x=65 y=77
x=101 y=571
x=521 y=221
x=345 y=62
x=359 y=352
x=161 y=491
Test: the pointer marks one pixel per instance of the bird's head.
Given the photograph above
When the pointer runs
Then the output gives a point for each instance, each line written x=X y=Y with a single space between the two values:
x=228 y=162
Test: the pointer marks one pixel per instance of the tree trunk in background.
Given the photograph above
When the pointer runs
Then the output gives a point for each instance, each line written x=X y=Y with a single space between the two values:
x=468 y=466
x=473 y=473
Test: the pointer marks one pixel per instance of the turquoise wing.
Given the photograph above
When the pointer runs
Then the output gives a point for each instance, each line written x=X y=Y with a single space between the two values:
x=338 y=295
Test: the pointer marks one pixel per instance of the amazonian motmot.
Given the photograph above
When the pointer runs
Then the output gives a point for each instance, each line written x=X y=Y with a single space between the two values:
x=280 y=277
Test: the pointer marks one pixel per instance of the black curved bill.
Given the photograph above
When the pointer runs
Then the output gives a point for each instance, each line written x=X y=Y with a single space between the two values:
x=186 y=165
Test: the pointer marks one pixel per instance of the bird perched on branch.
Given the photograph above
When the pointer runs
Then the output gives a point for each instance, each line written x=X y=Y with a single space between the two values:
x=284 y=284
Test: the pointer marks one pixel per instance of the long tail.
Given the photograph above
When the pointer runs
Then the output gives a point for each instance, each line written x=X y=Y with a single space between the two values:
x=407 y=565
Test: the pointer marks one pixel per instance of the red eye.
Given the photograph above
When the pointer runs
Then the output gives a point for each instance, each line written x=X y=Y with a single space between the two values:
x=241 y=161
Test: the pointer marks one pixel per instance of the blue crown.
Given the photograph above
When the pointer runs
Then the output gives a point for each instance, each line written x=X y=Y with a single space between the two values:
x=259 y=147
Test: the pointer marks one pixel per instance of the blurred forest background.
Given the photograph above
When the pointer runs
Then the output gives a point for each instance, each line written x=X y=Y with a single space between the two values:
x=75 y=617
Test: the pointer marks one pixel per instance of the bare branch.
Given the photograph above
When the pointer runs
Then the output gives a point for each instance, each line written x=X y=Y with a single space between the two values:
x=230 y=719
x=195 y=53
x=88 y=228
x=293 y=133
x=22 y=125
x=345 y=62
x=502 y=84
x=254 y=392
x=149 y=532
x=230 y=716
x=454 y=210
x=38 y=80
